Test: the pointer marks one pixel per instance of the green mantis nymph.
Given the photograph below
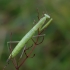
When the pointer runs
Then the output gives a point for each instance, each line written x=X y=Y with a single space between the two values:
x=40 y=25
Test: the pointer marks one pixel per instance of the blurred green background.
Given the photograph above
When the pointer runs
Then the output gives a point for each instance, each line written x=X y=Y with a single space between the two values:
x=17 y=16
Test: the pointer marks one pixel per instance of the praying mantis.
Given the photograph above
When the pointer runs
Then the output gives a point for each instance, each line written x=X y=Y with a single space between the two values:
x=40 y=25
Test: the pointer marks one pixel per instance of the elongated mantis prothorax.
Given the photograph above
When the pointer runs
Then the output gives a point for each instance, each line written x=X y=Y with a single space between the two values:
x=30 y=34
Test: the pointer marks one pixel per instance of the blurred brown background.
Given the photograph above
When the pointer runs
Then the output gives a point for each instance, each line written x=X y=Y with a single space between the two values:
x=17 y=16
